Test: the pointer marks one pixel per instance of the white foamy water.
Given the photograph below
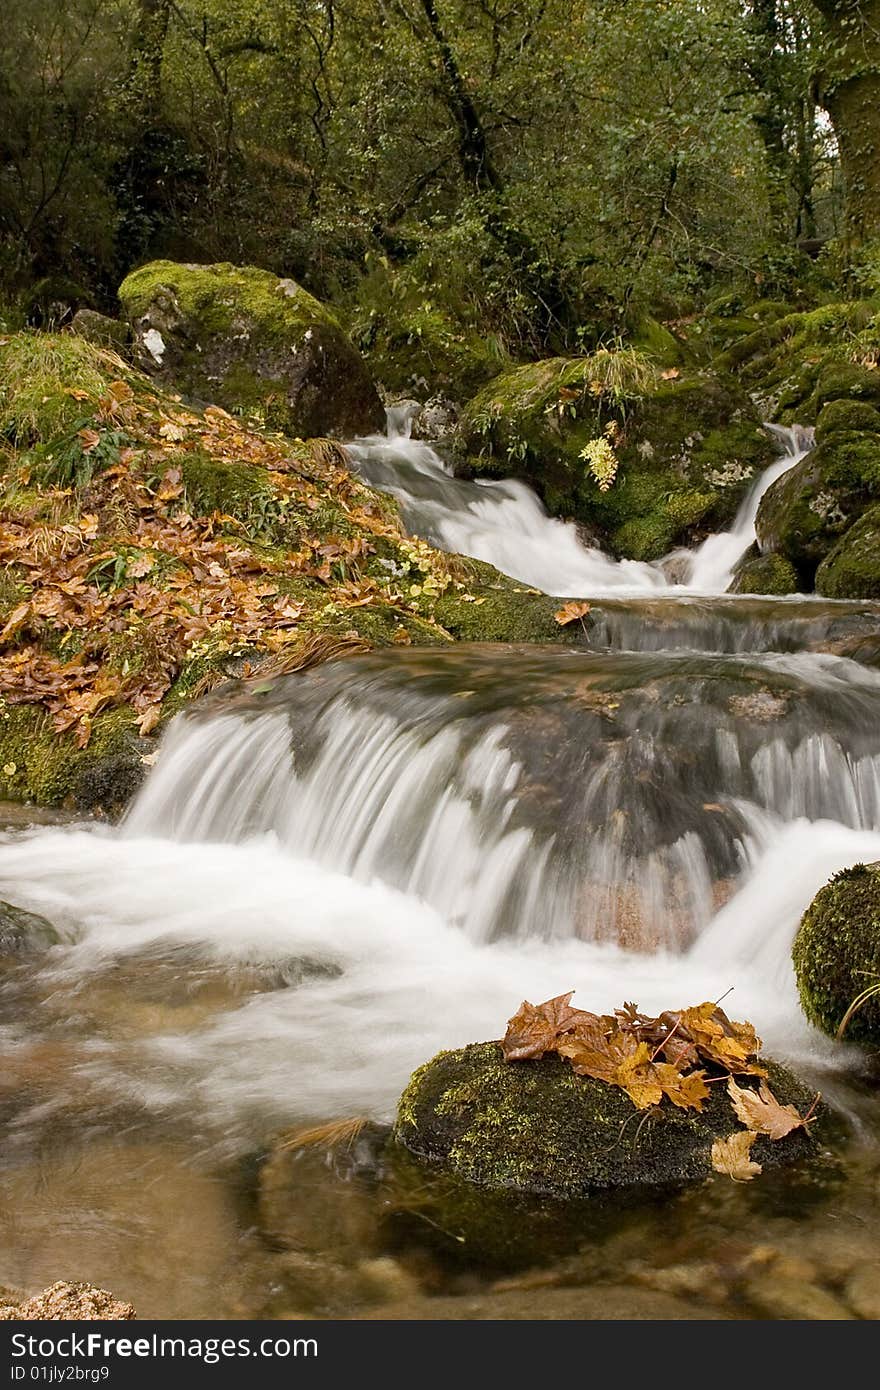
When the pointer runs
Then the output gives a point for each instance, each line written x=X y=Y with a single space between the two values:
x=407 y=983
x=504 y=523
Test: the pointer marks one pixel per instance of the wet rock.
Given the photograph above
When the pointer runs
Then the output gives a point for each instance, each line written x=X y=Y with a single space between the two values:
x=836 y=953
x=764 y=574
x=24 y=933
x=70 y=1302
x=862 y=1291
x=852 y=568
x=253 y=343
x=776 y=1296
x=436 y=420
x=536 y=1127
x=805 y=514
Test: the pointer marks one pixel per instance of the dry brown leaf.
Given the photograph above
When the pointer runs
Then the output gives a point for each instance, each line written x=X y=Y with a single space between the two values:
x=762 y=1112
x=534 y=1029
x=570 y=612
x=671 y=374
x=732 y=1156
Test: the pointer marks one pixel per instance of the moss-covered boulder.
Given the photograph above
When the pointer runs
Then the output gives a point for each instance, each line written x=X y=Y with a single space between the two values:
x=794 y=364
x=852 y=568
x=836 y=953
x=537 y=1127
x=764 y=574
x=686 y=445
x=807 y=511
x=254 y=343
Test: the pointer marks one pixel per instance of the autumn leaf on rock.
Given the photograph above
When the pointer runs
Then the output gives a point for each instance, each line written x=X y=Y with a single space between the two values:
x=638 y=1077
x=687 y=1090
x=762 y=1112
x=534 y=1029
x=732 y=1156
x=570 y=612
x=718 y=1040
x=589 y=1053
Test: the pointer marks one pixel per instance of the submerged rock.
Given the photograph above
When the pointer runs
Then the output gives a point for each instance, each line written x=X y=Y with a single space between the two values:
x=536 y=1127
x=23 y=932
x=68 y=1302
x=251 y=342
x=836 y=953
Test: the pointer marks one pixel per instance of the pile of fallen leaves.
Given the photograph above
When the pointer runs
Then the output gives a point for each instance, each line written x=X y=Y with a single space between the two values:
x=677 y=1056
x=123 y=581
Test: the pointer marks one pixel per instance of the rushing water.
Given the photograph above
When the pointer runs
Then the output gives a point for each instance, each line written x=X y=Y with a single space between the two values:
x=323 y=883
x=504 y=523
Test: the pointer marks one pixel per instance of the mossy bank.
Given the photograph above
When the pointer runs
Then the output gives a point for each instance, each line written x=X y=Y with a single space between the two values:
x=150 y=549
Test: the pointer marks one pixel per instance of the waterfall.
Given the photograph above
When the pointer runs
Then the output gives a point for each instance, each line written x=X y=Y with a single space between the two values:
x=504 y=523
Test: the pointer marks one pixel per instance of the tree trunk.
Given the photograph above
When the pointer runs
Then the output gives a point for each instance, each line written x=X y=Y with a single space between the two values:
x=147 y=50
x=849 y=89
x=770 y=116
x=481 y=173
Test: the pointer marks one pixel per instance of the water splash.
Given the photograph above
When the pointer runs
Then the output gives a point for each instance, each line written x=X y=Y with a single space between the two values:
x=504 y=523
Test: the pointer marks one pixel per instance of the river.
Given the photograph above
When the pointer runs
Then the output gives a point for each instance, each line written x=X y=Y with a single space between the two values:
x=318 y=889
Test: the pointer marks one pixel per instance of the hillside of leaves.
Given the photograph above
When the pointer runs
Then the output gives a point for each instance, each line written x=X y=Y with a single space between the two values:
x=149 y=550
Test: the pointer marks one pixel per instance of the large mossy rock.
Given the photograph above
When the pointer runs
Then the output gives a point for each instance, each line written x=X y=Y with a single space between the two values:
x=836 y=953
x=537 y=1127
x=688 y=446
x=852 y=568
x=810 y=510
x=244 y=339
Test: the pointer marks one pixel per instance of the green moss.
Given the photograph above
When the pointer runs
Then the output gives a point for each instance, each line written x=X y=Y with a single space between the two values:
x=41 y=766
x=806 y=511
x=688 y=445
x=852 y=568
x=537 y=1127
x=14 y=588
x=765 y=574
x=39 y=374
x=493 y=608
x=836 y=953
x=798 y=362
x=847 y=416
x=214 y=296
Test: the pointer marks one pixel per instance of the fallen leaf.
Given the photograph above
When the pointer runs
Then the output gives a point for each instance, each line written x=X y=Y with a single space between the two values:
x=149 y=719
x=570 y=612
x=671 y=374
x=687 y=1090
x=89 y=439
x=535 y=1029
x=732 y=1156
x=762 y=1112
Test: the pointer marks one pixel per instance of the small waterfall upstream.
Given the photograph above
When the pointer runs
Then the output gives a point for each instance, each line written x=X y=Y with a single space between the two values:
x=504 y=523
